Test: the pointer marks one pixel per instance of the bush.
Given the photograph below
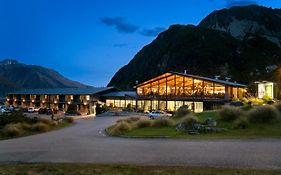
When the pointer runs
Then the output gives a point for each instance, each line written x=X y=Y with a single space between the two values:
x=188 y=121
x=182 y=111
x=278 y=106
x=45 y=120
x=263 y=114
x=26 y=126
x=14 y=117
x=71 y=109
x=41 y=127
x=129 y=120
x=246 y=107
x=162 y=122
x=230 y=113
x=13 y=130
x=69 y=119
x=241 y=123
x=101 y=108
x=143 y=123
x=120 y=128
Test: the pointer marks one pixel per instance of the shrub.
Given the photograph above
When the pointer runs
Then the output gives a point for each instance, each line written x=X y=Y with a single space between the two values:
x=230 y=113
x=182 y=111
x=26 y=126
x=188 y=121
x=129 y=120
x=41 y=127
x=241 y=123
x=246 y=107
x=69 y=119
x=263 y=114
x=120 y=128
x=45 y=120
x=101 y=108
x=162 y=122
x=13 y=130
x=143 y=123
x=278 y=106
x=14 y=117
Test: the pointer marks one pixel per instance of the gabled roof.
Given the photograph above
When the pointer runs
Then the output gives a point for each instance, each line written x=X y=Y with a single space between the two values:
x=132 y=94
x=63 y=91
x=192 y=76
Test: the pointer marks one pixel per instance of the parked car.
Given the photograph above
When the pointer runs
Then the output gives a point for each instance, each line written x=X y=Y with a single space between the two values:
x=36 y=109
x=158 y=114
x=30 y=110
x=42 y=110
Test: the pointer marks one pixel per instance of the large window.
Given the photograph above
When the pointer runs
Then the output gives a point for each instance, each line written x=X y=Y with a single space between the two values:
x=179 y=85
x=198 y=87
x=219 y=90
x=208 y=88
x=188 y=86
x=162 y=86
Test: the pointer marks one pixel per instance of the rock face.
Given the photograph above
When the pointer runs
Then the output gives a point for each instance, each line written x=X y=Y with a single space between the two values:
x=240 y=42
x=14 y=76
x=248 y=21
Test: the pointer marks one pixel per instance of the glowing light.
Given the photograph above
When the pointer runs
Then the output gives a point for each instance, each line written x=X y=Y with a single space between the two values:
x=32 y=101
x=43 y=101
x=55 y=101
x=23 y=100
x=85 y=103
x=68 y=102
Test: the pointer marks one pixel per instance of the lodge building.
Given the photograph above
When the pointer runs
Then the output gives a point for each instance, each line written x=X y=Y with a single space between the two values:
x=167 y=92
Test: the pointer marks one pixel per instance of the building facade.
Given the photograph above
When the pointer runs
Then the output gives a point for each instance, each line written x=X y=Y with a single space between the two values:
x=85 y=99
x=171 y=90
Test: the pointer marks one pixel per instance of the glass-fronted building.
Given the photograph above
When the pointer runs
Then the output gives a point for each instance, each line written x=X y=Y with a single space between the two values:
x=171 y=90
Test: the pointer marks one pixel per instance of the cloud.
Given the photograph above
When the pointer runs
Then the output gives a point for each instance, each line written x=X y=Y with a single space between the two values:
x=152 y=32
x=120 y=24
x=120 y=45
x=231 y=3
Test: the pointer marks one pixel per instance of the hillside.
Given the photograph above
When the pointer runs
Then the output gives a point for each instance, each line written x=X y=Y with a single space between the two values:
x=14 y=76
x=207 y=51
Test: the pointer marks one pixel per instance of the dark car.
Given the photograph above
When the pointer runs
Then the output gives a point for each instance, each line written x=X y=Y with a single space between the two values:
x=42 y=111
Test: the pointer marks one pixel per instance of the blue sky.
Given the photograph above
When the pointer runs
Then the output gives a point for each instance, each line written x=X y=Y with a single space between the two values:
x=89 y=40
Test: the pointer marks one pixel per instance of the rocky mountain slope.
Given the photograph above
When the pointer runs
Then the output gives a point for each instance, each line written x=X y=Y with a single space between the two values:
x=14 y=76
x=219 y=45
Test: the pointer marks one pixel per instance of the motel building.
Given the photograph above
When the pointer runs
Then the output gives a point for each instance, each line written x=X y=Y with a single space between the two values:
x=172 y=90
x=85 y=99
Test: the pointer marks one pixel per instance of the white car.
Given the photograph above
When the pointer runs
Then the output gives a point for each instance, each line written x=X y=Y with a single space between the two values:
x=30 y=109
x=36 y=110
x=158 y=114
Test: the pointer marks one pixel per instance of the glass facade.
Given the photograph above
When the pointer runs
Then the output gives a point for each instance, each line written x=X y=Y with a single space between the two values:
x=173 y=85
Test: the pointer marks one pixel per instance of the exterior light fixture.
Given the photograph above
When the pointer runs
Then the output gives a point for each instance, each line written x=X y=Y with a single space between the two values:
x=8 y=99
x=43 y=101
x=68 y=102
x=85 y=103
x=23 y=100
x=55 y=101
x=15 y=99
x=32 y=101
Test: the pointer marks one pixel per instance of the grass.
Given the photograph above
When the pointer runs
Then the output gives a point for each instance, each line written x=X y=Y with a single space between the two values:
x=32 y=132
x=256 y=130
x=99 y=169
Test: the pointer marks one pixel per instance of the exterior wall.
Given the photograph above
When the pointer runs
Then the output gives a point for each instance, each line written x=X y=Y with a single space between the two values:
x=121 y=103
x=84 y=103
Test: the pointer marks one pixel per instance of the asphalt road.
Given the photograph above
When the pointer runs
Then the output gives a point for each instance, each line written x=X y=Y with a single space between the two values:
x=85 y=141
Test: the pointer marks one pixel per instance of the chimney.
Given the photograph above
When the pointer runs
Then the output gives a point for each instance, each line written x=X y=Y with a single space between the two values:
x=217 y=77
x=137 y=82
x=185 y=72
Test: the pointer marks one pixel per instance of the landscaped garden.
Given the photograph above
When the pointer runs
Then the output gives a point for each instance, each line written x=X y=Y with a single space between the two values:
x=17 y=124
x=248 y=121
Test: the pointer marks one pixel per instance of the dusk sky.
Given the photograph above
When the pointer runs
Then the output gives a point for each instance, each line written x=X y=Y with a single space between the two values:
x=89 y=40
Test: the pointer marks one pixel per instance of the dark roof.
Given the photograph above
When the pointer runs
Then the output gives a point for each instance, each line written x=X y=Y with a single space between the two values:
x=132 y=94
x=63 y=91
x=194 y=76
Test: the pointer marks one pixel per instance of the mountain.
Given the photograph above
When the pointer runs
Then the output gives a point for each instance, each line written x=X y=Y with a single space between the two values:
x=217 y=46
x=15 y=76
x=245 y=22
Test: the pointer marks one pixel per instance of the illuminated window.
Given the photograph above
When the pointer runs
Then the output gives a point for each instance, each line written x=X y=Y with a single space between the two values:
x=219 y=90
x=198 y=87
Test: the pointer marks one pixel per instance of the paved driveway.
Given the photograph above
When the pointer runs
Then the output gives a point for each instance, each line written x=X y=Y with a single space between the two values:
x=85 y=142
